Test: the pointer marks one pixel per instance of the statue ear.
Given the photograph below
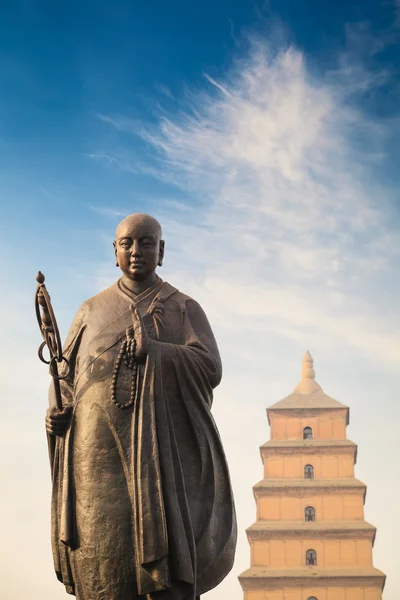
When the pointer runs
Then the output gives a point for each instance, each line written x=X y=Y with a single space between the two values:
x=161 y=253
x=115 y=252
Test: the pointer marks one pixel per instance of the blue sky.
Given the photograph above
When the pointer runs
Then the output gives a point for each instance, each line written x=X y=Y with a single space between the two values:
x=264 y=136
x=62 y=65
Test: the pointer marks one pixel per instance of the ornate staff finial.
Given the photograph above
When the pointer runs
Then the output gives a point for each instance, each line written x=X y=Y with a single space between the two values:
x=51 y=336
x=40 y=277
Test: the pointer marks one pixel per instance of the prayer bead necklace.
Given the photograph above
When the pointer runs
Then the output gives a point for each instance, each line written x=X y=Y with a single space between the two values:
x=126 y=354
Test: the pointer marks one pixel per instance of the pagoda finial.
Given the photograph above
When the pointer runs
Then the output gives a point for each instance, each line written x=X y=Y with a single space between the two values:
x=307 y=385
x=307 y=371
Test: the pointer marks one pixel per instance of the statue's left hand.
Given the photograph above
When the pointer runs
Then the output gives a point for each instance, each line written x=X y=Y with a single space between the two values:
x=141 y=337
x=58 y=422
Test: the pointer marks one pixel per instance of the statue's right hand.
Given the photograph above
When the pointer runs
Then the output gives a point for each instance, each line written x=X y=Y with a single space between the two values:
x=58 y=422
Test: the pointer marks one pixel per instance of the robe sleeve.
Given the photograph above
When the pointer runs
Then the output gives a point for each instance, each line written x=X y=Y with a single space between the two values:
x=197 y=354
x=178 y=448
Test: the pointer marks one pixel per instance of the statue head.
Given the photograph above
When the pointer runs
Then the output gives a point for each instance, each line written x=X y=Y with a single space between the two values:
x=138 y=246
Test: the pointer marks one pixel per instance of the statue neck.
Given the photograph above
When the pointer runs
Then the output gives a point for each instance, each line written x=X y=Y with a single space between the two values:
x=138 y=287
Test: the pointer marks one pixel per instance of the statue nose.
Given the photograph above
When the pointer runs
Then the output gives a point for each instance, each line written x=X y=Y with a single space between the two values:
x=135 y=249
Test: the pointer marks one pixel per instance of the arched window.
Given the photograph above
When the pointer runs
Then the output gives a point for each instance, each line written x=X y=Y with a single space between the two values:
x=307 y=433
x=308 y=472
x=311 y=557
x=309 y=513
x=312 y=598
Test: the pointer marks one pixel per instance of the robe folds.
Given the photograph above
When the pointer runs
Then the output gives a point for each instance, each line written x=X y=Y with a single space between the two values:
x=142 y=505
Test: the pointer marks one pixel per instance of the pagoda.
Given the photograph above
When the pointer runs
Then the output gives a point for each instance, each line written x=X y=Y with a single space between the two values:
x=310 y=540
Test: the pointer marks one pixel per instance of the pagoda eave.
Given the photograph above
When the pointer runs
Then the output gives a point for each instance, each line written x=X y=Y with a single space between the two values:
x=306 y=411
x=260 y=578
x=287 y=447
x=268 y=487
x=310 y=530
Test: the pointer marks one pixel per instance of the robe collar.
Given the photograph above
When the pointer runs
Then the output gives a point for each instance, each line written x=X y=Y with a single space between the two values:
x=123 y=287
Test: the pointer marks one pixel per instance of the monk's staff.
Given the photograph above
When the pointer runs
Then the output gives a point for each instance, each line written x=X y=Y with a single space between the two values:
x=51 y=336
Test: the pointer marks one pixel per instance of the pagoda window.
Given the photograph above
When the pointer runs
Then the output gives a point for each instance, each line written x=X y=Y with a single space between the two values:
x=311 y=557
x=309 y=513
x=307 y=433
x=308 y=472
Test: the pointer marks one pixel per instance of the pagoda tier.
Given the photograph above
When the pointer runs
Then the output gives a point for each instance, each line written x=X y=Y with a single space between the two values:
x=310 y=540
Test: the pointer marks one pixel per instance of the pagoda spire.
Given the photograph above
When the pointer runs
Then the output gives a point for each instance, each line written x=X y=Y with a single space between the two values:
x=307 y=385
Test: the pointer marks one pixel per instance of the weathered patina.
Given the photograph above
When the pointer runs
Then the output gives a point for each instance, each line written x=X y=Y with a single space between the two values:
x=142 y=505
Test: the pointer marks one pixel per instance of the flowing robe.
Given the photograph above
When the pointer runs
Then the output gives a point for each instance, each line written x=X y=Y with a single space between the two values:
x=142 y=505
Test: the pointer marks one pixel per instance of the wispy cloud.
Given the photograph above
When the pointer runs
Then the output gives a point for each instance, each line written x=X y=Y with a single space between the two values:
x=112 y=161
x=108 y=212
x=49 y=194
x=122 y=123
x=163 y=89
x=289 y=197
x=219 y=87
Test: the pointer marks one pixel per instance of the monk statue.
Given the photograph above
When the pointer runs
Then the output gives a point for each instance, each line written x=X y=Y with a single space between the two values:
x=142 y=505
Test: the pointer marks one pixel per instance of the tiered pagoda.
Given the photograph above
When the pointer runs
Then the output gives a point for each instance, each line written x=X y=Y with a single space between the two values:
x=310 y=540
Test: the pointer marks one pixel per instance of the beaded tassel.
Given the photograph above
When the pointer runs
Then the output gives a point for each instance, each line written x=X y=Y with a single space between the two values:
x=126 y=354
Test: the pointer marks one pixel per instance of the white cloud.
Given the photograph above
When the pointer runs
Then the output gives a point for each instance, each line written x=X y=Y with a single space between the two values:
x=48 y=194
x=163 y=89
x=289 y=205
x=112 y=161
x=108 y=212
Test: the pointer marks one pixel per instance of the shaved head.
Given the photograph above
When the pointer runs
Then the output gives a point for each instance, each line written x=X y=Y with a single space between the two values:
x=139 y=221
x=138 y=247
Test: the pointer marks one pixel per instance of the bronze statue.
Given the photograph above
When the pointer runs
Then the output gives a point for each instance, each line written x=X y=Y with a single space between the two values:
x=142 y=505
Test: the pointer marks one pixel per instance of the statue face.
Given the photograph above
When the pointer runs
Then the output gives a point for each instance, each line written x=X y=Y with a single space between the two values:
x=138 y=248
